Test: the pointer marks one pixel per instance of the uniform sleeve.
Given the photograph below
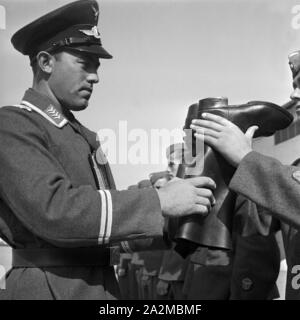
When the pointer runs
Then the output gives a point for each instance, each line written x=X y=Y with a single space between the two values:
x=37 y=190
x=269 y=184
x=251 y=219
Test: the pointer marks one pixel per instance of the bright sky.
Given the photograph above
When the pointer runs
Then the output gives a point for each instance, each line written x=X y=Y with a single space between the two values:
x=168 y=55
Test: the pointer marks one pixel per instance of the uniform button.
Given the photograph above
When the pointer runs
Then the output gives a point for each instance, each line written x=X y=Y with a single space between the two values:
x=247 y=284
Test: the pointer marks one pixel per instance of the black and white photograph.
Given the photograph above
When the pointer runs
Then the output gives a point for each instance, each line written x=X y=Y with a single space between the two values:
x=150 y=151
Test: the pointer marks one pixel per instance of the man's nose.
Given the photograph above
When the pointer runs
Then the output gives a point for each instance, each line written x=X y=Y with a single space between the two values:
x=295 y=94
x=93 y=77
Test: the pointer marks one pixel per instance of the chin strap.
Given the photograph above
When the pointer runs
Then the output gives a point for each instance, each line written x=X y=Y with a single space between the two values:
x=69 y=42
x=74 y=41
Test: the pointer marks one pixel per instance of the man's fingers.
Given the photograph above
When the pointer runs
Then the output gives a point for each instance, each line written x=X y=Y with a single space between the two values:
x=206 y=131
x=203 y=192
x=206 y=124
x=202 y=182
x=200 y=136
x=211 y=141
x=200 y=209
x=212 y=117
x=204 y=202
x=207 y=193
x=250 y=132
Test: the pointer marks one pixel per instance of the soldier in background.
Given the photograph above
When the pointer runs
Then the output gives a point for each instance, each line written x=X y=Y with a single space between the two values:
x=158 y=274
x=173 y=267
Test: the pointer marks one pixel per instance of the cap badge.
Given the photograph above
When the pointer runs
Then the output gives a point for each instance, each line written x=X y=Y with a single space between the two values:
x=296 y=176
x=94 y=32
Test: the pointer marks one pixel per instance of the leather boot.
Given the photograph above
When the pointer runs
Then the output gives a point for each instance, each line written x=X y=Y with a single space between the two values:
x=214 y=231
x=268 y=116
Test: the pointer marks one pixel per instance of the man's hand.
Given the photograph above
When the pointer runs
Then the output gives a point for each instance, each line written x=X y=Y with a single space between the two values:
x=181 y=197
x=224 y=136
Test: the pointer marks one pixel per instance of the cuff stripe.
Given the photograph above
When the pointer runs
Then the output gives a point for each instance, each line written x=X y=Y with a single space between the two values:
x=106 y=217
x=103 y=217
x=109 y=215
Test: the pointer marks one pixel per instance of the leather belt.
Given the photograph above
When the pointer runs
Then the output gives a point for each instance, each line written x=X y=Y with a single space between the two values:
x=62 y=257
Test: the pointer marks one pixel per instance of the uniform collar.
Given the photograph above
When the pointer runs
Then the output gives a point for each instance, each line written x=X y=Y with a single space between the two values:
x=41 y=104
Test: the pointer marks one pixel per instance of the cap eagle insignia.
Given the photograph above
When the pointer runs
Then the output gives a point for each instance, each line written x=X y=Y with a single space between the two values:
x=94 y=32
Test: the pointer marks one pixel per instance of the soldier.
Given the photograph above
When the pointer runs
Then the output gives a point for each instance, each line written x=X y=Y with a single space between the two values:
x=262 y=179
x=60 y=210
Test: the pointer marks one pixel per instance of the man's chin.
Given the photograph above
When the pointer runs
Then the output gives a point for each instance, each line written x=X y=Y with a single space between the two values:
x=80 y=106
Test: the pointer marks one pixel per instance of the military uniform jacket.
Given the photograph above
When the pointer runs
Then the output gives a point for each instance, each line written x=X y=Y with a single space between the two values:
x=276 y=188
x=55 y=191
x=248 y=271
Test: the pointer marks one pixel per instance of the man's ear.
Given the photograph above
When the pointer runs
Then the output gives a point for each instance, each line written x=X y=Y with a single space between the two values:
x=45 y=61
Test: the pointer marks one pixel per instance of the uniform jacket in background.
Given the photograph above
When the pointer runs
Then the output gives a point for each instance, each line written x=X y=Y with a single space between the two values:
x=247 y=272
x=276 y=188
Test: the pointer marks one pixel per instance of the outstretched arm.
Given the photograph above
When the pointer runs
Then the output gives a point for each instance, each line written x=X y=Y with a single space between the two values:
x=262 y=179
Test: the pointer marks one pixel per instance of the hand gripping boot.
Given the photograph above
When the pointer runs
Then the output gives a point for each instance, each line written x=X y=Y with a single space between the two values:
x=214 y=230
